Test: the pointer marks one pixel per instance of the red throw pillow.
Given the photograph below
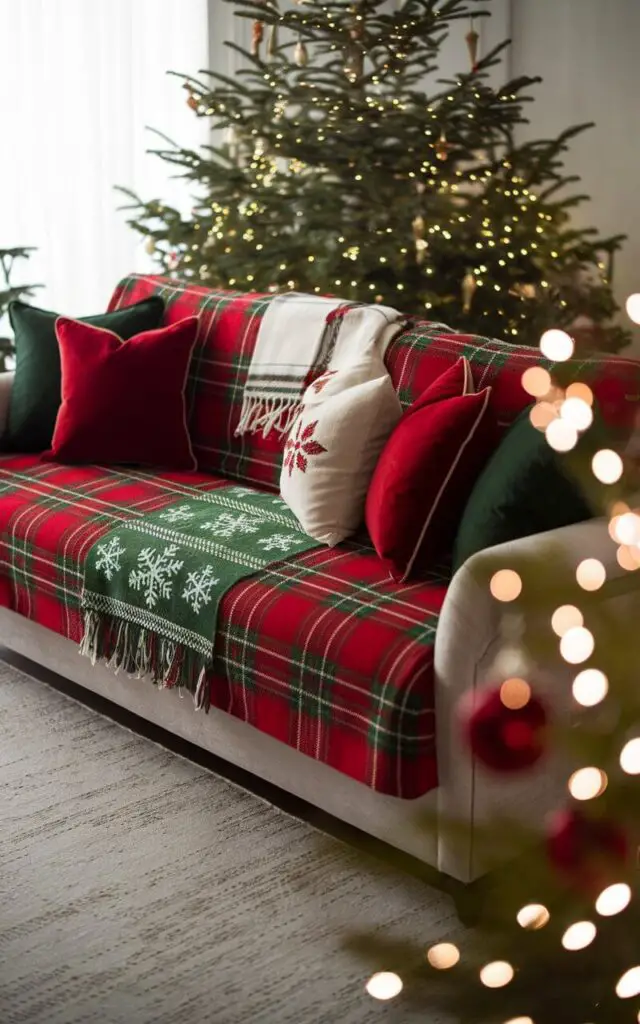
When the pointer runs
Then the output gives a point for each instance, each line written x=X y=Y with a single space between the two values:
x=124 y=401
x=426 y=471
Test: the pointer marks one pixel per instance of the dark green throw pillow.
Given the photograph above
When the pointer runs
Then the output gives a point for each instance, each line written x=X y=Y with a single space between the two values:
x=35 y=395
x=521 y=491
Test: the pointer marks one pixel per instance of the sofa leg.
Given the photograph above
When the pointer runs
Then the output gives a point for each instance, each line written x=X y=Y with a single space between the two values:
x=470 y=902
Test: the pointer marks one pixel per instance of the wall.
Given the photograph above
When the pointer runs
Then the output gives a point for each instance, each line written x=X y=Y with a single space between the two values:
x=587 y=54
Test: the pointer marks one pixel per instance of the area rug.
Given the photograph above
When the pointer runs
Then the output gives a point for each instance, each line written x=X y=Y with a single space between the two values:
x=138 y=887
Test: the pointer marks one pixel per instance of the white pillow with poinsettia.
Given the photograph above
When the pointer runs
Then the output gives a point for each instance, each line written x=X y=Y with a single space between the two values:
x=333 y=447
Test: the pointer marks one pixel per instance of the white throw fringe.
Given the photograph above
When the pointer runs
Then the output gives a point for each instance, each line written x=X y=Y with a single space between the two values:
x=261 y=412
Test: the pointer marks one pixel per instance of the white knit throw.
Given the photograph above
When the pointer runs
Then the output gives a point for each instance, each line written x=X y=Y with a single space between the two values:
x=294 y=339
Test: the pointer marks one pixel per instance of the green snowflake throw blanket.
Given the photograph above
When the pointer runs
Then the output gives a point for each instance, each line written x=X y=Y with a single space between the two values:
x=152 y=586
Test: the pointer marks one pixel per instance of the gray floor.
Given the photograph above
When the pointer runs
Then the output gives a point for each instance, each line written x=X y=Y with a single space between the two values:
x=138 y=887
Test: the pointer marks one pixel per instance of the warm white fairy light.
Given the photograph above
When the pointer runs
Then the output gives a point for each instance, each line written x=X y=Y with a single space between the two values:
x=520 y=1020
x=590 y=687
x=561 y=436
x=630 y=757
x=515 y=693
x=591 y=574
x=444 y=956
x=629 y=984
x=497 y=974
x=536 y=381
x=556 y=345
x=579 y=935
x=628 y=558
x=577 y=413
x=566 y=617
x=577 y=645
x=633 y=307
x=587 y=783
x=626 y=528
x=505 y=585
x=384 y=985
x=533 y=917
x=580 y=390
x=607 y=466
x=542 y=414
x=613 y=900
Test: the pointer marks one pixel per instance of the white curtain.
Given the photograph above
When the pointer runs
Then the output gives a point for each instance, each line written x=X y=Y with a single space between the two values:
x=79 y=82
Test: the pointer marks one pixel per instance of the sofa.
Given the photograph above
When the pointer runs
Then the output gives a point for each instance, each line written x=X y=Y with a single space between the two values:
x=331 y=681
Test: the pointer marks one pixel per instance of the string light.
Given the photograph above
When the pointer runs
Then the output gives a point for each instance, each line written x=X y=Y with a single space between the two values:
x=577 y=645
x=629 y=984
x=577 y=412
x=384 y=985
x=590 y=687
x=626 y=528
x=633 y=307
x=588 y=783
x=579 y=935
x=591 y=574
x=630 y=757
x=536 y=381
x=582 y=391
x=607 y=466
x=565 y=618
x=613 y=900
x=444 y=956
x=515 y=693
x=556 y=345
x=533 y=917
x=505 y=585
x=561 y=436
x=496 y=974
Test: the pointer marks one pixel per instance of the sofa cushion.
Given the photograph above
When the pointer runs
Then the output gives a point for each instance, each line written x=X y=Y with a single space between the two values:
x=522 y=491
x=320 y=651
x=426 y=470
x=124 y=401
x=35 y=397
x=414 y=359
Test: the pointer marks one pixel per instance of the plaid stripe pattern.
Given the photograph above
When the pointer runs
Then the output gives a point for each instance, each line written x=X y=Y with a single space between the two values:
x=415 y=358
x=321 y=651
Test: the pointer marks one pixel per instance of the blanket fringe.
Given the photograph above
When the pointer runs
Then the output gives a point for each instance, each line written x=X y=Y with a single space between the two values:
x=267 y=414
x=124 y=646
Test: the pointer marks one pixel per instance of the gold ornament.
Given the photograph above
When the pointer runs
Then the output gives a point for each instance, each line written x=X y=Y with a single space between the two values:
x=192 y=101
x=150 y=245
x=272 y=44
x=301 y=54
x=473 y=39
x=469 y=286
x=257 y=37
x=442 y=147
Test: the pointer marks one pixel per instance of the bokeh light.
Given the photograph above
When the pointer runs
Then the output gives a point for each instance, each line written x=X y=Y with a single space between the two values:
x=591 y=574
x=533 y=917
x=629 y=984
x=633 y=307
x=577 y=645
x=590 y=687
x=614 y=899
x=566 y=617
x=579 y=390
x=607 y=466
x=542 y=414
x=497 y=974
x=587 y=783
x=577 y=413
x=579 y=935
x=556 y=345
x=630 y=757
x=515 y=693
x=627 y=528
x=384 y=985
x=536 y=381
x=628 y=558
x=505 y=585
x=443 y=956
x=561 y=436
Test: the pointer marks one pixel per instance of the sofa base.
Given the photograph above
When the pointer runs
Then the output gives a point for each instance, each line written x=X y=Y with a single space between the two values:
x=385 y=817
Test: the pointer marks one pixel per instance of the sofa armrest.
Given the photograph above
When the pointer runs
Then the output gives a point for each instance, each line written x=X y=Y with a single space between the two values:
x=467 y=642
x=6 y=384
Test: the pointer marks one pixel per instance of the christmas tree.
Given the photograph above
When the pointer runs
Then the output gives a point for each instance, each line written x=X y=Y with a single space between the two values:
x=345 y=164
x=558 y=935
x=9 y=292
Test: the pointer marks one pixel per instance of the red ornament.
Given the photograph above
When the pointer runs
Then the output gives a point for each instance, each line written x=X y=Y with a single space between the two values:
x=589 y=852
x=505 y=738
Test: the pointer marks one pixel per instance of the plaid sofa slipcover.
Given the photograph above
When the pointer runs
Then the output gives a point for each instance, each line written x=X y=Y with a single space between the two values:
x=322 y=652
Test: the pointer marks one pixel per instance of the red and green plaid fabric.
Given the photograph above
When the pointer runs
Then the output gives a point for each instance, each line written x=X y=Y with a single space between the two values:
x=415 y=358
x=322 y=651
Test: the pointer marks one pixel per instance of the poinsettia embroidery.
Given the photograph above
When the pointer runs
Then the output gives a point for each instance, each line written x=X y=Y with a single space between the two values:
x=300 y=446
x=322 y=381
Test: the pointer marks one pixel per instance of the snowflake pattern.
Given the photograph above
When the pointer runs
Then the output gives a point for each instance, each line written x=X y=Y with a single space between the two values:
x=197 y=591
x=155 y=572
x=109 y=557
x=228 y=524
x=278 y=542
x=299 y=447
x=181 y=514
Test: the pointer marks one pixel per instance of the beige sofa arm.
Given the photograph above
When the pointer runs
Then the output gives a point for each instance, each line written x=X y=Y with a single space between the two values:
x=6 y=384
x=467 y=642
